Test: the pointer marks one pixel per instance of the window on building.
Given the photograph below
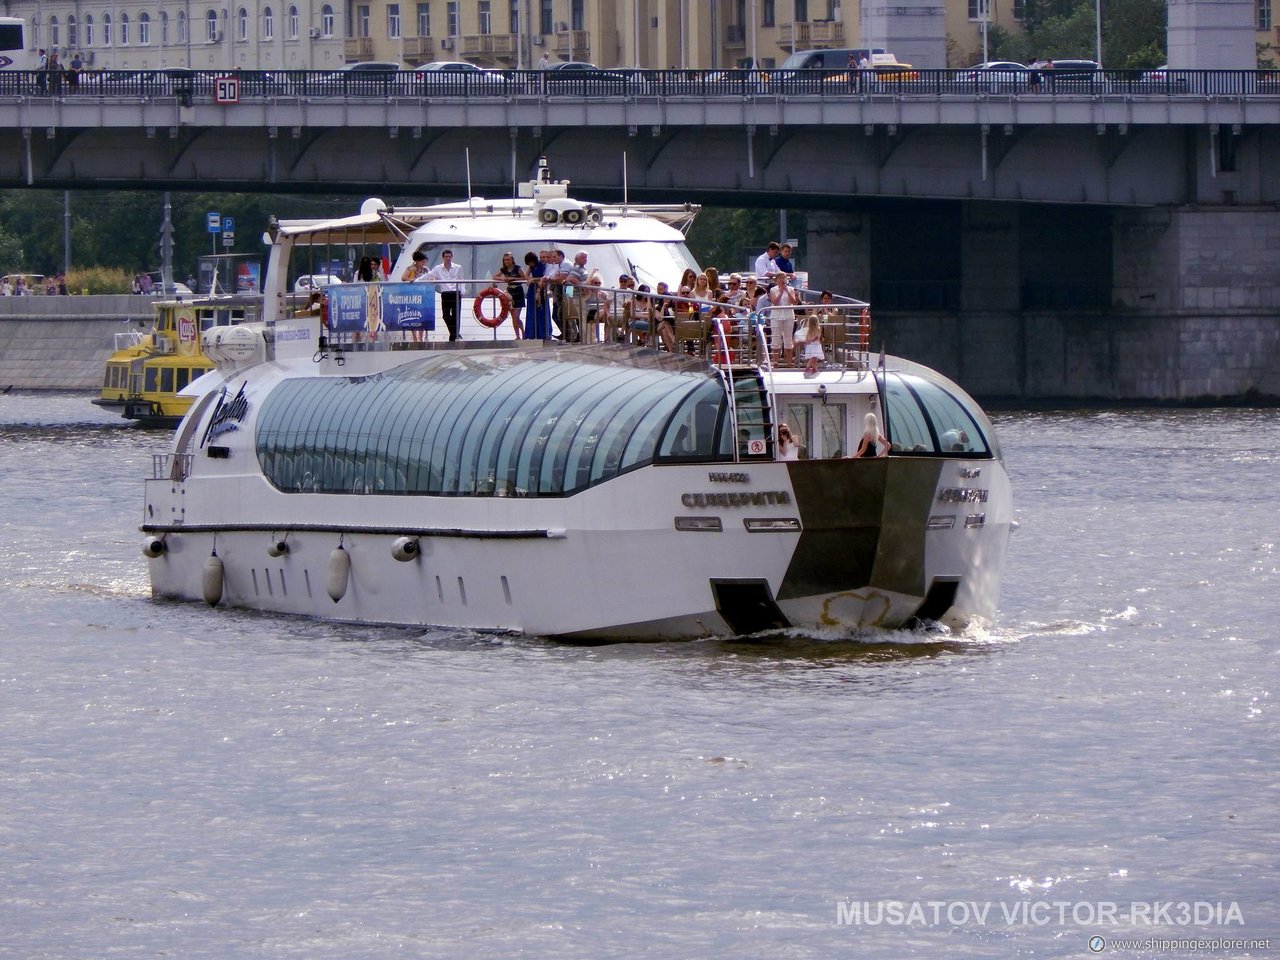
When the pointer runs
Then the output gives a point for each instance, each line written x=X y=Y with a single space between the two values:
x=124 y=29
x=978 y=9
x=106 y=29
x=1264 y=14
x=326 y=21
x=802 y=11
x=768 y=16
x=393 y=21
x=293 y=23
x=1019 y=10
x=268 y=24
x=545 y=23
x=424 y=19
x=88 y=29
x=242 y=25
x=73 y=32
x=53 y=32
x=485 y=16
x=182 y=26
x=514 y=19
x=362 y=20
x=577 y=15
x=144 y=29
x=211 y=26
x=164 y=28
x=451 y=18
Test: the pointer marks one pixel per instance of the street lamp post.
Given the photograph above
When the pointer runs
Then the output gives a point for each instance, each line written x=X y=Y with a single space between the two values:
x=1097 y=31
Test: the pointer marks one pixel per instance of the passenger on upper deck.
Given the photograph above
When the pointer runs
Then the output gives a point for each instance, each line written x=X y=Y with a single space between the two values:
x=782 y=319
x=766 y=264
x=537 y=317
x=784 y=261
x=446 y=275
x=416 y=269
x=511 y=273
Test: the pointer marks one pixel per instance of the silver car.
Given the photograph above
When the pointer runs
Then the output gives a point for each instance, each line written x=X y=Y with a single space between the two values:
x=997 y=76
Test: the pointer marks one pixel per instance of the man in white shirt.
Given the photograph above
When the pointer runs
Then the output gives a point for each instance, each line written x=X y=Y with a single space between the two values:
x=446 y=276
x=765 y=266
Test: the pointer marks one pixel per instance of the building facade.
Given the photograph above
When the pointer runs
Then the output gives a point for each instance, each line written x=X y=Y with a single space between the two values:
x=516 y=34
x=505 y=34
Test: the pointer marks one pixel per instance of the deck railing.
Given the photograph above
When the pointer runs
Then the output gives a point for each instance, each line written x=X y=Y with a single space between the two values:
x=723 y=334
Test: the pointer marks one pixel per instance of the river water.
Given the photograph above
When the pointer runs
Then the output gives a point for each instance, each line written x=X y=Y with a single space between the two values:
x=187 y=782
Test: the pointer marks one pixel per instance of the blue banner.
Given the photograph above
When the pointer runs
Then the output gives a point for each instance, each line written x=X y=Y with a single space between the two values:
x=370 y=307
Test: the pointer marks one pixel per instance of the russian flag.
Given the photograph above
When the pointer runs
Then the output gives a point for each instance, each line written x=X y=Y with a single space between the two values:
x=386 y=262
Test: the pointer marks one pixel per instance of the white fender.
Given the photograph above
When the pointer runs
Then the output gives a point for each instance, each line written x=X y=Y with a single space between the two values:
x=339 y=574
x=405 y=549
x=211 y=580
x=153 y=547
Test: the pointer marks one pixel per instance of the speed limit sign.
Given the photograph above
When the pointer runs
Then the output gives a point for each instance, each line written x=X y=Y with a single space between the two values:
x=226 y=90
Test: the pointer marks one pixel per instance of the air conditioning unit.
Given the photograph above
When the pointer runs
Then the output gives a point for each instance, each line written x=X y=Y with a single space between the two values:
x=315 y=33
x=217 y=37
x=561 y=27
x=538 y=40
x=446 y=44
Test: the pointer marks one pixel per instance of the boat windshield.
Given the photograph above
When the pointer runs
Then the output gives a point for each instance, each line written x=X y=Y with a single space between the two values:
x=645 y=260
x=507 y=424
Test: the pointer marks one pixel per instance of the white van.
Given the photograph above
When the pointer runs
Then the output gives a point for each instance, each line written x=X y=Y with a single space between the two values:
x=840 y=59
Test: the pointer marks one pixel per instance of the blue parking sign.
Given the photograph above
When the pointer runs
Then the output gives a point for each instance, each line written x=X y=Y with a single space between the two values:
x=228 y=224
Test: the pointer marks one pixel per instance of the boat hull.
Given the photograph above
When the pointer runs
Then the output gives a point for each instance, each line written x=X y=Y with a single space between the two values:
x=665 y=552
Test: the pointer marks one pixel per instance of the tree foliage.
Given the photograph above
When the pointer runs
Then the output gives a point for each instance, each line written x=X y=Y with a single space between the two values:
x=1134 y=33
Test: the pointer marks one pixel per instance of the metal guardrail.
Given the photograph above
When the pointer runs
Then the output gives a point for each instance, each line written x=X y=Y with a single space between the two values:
x=720 y=333
x=190 y=85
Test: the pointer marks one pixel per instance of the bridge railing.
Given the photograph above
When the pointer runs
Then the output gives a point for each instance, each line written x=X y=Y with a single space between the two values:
x=197 y=85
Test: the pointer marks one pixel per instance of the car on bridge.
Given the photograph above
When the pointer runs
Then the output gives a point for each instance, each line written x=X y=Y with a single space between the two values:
x=996 y=76
x=579 y=78
x=1069 y=76
x=453 y=78
x=367 y=78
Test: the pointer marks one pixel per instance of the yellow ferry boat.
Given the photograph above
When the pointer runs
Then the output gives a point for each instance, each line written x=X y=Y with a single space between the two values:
x=149 y=368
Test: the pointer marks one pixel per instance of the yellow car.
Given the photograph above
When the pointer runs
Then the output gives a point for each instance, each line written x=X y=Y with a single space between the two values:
x=877 y=76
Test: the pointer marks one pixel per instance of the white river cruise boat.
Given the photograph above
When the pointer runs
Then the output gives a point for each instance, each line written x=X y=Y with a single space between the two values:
x=355 y=467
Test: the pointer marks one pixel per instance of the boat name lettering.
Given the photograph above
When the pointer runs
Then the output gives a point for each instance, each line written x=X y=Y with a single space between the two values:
x=226 y=414
x=728 y=478
x=962 y=495
x=756 y=498
x=284 y=334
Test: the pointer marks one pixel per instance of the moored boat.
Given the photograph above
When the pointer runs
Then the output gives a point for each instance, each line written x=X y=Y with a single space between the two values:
x=148 y=369
x=594 y=491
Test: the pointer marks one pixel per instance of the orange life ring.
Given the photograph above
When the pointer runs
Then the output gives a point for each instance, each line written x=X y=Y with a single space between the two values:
x=504 y=302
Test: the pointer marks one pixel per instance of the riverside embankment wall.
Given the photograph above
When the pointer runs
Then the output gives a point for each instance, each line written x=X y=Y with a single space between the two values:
x=63 y=342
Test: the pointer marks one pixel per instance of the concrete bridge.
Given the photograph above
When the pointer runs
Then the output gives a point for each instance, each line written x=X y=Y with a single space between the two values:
x=1115 y=240
x=1116 y=140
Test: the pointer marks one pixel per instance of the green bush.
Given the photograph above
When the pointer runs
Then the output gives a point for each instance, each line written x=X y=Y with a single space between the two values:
x=99 y=280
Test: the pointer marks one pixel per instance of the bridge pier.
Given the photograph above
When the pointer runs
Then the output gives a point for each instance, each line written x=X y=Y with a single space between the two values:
x=1036 y=302
x=838 y=251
